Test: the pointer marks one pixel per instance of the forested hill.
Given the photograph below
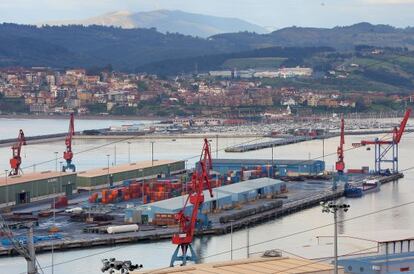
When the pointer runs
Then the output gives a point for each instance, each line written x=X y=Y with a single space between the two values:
x=125 y=49
x=129 y=49
x=341 y=38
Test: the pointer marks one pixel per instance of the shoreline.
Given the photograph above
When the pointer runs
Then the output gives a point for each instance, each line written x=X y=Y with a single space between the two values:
x=81 y=117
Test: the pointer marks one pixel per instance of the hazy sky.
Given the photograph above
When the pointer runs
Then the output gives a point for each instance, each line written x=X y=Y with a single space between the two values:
x=277 y=13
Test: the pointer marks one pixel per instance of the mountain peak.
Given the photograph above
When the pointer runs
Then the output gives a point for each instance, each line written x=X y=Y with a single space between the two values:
x=169 y=21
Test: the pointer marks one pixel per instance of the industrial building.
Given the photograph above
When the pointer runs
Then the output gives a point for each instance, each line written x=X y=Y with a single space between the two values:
x=24 y=188
x=100 y=177
x=395 y=253
x=282 y=167
x=282 y=265
x=388 y=263
x=223 y=197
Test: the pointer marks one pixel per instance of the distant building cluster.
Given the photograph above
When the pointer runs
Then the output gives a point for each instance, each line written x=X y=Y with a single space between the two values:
x=252 y=73
x=45 y=90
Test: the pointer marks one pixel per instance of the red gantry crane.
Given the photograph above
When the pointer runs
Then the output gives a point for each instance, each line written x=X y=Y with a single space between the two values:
x=340 y=164
x=386 y=151
x=16 y=161
x=187 y=224
x=68 y=154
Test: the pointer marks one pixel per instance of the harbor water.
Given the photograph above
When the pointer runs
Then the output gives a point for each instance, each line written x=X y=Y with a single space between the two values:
x=91 y=153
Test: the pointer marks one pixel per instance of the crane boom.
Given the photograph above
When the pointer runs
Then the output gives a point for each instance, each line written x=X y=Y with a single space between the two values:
x=68 y=154
x=398 y=133
x=16 y=160
x=187 y=224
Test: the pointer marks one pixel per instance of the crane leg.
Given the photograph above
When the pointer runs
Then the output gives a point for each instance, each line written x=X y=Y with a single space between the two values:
x=174 y=256
x=184 y=257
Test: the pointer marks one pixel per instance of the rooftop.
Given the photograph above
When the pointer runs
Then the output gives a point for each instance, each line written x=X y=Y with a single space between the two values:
x=384 y=236
x=24 y=178
x=177 y=203
x=280 y=265
x=249 y=185
x=123 y=168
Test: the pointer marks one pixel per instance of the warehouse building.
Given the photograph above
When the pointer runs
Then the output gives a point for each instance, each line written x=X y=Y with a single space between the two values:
x=101 y=177
x=224 y=197
x=29 y=187
x=174 y=205
x=281 y=167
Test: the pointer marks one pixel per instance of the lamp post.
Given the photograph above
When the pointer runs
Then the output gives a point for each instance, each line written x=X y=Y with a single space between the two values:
x=56 y=160
x=332 y=207
x=107 y=157
x=129 y=152
x=152 y=153
x=217 y=150
x=248 y=240
x=115 y=155
x=323 y=148
x=231 y=240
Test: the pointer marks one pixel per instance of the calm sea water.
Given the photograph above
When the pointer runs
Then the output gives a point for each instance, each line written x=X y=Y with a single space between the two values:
x=158 y=254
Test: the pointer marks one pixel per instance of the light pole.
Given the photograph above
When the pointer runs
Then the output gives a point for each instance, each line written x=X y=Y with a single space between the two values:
x=217 y=150
x=152 y=153
x=332 y=207
x=115 y=155
x=56 y=160
x=323 y=148
x=107 y=157
x=231 y=240
x=248 y=240
x=129 y=152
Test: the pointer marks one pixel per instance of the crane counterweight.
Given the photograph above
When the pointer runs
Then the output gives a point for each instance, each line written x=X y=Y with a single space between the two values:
x=16 y=160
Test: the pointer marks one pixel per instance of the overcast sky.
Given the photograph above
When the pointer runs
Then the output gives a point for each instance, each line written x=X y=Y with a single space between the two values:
x=276 y=13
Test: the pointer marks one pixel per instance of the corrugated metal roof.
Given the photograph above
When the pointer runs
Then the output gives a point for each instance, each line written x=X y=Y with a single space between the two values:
x=259 y=265
x=24 y=178
x=261 y=182
x=124 y=168
x=177 y=203
x=249 y=185
x=264 y=161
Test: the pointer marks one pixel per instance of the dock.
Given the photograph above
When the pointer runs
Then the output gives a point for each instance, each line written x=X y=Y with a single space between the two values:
x=267 y=144
x=290 y=139
x=151 y=234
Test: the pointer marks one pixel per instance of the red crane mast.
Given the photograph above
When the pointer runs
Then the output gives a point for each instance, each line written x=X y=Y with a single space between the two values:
x=16 y=160
x=386 y=151
x=187 y=224
x=340 y=164
x=68 y=154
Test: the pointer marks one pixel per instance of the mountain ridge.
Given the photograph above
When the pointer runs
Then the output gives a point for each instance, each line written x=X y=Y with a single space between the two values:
x=168 y=21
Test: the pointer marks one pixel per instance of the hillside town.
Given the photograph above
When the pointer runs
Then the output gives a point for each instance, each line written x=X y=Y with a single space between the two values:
x=48 y=91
